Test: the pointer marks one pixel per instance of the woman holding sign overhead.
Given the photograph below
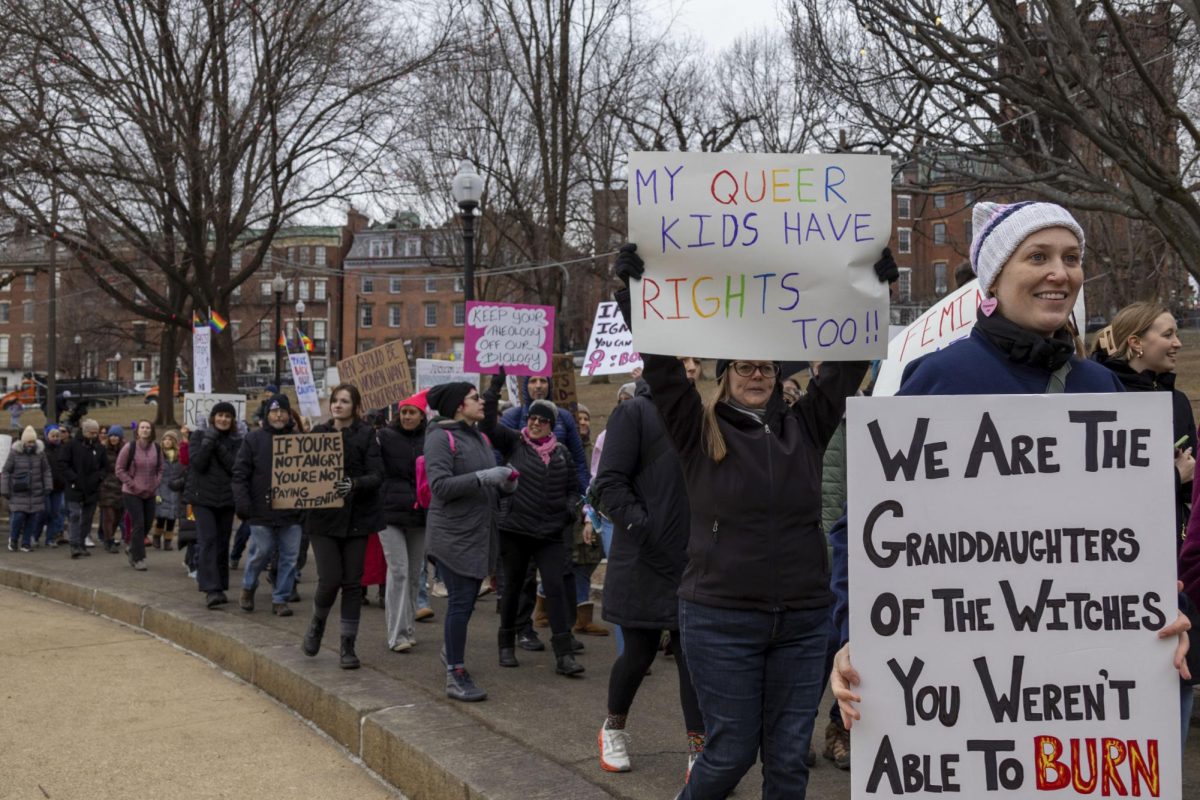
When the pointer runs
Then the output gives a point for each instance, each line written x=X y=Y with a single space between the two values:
x=754 y=599
x=339 y=535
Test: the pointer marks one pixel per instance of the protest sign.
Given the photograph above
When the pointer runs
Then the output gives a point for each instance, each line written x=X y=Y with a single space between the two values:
x=760 y=255
x=949 y=320
x=5 y=448
x=198 y=405
x=304 y=468
x=610 y=347
x=433 y=372
x=306 y=387
x=562 y=383
x=381 y=374
x=515 y=336
x=1008 y=574
x=202 y=359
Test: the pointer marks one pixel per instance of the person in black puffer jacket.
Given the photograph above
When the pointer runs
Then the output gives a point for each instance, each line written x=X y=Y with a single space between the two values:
x=56 y=502
x=212 y=452
x=533 y=520
x=403 y=537
x=339 y=535
x=84 y=463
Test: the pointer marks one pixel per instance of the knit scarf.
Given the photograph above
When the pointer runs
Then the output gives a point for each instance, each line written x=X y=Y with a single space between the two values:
x=1023 y=346
x=543 y=447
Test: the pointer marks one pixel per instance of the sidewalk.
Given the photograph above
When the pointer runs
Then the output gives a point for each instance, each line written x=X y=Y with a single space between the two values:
x=97 y=710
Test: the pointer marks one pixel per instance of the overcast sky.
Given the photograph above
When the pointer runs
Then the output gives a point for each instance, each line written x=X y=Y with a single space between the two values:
x=719 y=22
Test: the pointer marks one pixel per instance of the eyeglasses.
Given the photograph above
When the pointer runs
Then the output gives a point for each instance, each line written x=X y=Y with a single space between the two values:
x=538 y=421
x=745 y=369
x=472 y=396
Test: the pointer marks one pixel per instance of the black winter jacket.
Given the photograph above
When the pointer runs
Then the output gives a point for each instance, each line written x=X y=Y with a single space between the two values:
x=84 y=464
x=252 y=480
x=54 y=454
x=361 y=515
x=398 y=450
x=211 y=456
x=640 y=483
x=547 y=496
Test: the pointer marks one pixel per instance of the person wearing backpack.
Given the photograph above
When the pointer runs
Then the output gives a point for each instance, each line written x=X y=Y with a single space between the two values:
x=140 y=469
x=25 y=482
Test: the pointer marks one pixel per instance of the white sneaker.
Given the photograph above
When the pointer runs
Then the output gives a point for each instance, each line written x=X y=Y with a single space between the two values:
x=439 y=589
x=87 y=542
x=614 y=750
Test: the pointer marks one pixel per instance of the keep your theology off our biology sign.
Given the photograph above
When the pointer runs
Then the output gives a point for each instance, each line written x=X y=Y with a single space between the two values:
x=760 y=256
x=1011 y=561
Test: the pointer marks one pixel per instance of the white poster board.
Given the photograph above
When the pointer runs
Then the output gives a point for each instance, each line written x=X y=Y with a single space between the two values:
x=306 y=387
x=202 y=359
x=1010 y=564
x=5 y=448
x=610 y=347
x=760 y=255
x=434 y=372
x=197 y=406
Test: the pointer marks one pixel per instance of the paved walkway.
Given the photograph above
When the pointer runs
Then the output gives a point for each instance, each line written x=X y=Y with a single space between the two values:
x=94 y=709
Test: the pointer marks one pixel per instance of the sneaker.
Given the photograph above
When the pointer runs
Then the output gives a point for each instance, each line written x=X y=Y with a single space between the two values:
x=139 y=565
x=26 y=548
x=51 y=545
x=614 y=750
x=459 y=686
x=528 y=640
x=87 y=541
x=485 y=588
x=192 y=574
x=12 y=546
x=214 y=599
x=402 y=646
x=424 y=614
x=439 y=589
x=76 y=551
x=281 y=610
x=837 y=745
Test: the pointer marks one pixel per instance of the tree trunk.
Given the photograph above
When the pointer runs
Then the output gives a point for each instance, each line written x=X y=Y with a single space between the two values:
x=168 y=350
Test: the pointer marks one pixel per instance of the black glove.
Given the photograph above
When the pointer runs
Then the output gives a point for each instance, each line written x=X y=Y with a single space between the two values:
x=629 y=265
x=343 y=487
x=886 y=267
x=497 y=384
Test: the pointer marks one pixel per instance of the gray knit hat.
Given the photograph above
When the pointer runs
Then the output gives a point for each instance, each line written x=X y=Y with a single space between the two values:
x=544 y=409
x=1000 y=229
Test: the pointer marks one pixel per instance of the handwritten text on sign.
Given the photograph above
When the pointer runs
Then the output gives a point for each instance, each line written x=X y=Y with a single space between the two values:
x=381 y=374
x=515 y=336
x=610 y=348
x=1005 y=595
x=760 y=256
x=304 y=468
x=198 y=405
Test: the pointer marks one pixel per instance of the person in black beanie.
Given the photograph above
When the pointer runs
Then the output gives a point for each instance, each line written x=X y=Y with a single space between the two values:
x=211 y=454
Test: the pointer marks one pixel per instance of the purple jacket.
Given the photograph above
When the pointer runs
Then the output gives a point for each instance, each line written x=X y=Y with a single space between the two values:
x=140 y=469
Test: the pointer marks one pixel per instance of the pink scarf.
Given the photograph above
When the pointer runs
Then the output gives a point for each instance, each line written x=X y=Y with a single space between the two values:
x=544 y=448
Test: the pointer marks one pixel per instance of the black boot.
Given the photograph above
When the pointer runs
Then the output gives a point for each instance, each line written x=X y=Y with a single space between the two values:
x=564 y=659
x=508 y=642
x=349 y=660
x=312 y=639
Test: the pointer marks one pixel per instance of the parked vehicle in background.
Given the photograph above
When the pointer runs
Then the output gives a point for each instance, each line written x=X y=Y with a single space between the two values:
x=91 y=391
x=151 y=395
x=144 y=386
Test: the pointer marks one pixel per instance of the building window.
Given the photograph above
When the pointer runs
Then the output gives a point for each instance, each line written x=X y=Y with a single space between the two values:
x=437 y=245
x=460 y=284
x=319 y=256
x=395 y=285
x=431 y=347
x=368 y=284
x=939 y=233
x=903 y=240
x=460 y=314
x=302 y=290
x=264 y=290
x=412 y=246
x=4 y=312
x=319 y=289
x=381 y=248
x=264 y=337
x=318 y=333
x=431 y=315
x=431 y=284
x=30 y=281
x=139 y=369
x=904 y=285
x=139 y=333
x=318 y=367
x=394 y=315
x=365 y=344
x=291 y=291
x=236 y=327
x=903 y=206
x=940 y=284
x=6 y=279
x=26 y=352
x=236 y=294
x=3 y=352
x=305 y=255
x=367 y=315
x=27 y=310
x=939 y=201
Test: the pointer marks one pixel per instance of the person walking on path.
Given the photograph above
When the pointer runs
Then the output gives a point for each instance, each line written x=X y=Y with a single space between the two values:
x=112 y=502
x=140 y=468
x=460 y=527
x=339 y=535
x=168 y=508
x=85 y=463
x=273 y=531
x=212 y=452
x=25 y=482
x=403 y=537
x=56 y=501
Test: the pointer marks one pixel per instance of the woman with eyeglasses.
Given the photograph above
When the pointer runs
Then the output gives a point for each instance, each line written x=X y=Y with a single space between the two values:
x=533 y=520
x=754 y=602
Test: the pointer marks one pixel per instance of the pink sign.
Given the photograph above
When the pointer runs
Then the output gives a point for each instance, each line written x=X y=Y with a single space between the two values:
x=515 y=336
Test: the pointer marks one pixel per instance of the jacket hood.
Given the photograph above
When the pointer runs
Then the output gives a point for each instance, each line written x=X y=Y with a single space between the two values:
x=643 y=389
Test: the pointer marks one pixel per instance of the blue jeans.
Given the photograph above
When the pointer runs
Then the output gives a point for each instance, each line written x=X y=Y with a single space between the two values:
x=56 y=515
x=264 y=540
x=459 y=607
x=758 y=677
x=24 y=525
x=606 y=534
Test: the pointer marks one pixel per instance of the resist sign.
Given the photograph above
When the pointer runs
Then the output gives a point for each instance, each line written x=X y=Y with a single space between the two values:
x=304 y=468
x=1010 y=565
x=760 y=256
x=515 y=336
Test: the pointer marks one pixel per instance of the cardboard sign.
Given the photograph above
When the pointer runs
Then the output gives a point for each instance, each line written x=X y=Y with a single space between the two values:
x=562 y=383
x=515 y=336
x=610 y=347
x=304 y=468
x=760 y=255
x=306 y=387
x=433 y=372
x=1010 y=566
x=202 y=359
x=381 y=374
x=198 y=405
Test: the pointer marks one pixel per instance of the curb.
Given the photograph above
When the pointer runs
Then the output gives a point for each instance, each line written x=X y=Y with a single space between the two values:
x=424 y=748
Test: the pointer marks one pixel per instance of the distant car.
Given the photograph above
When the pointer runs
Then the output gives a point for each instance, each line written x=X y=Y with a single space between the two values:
x=144 y=386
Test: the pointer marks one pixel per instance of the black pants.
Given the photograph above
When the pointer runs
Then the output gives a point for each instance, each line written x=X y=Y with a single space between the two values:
x=213 y=527
x=516 y=552
x=141 y=518
x=528 y=589
x=340 y=566
x=641 y=645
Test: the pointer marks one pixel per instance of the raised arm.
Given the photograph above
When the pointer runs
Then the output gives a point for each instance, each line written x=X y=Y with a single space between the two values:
x=504 y=438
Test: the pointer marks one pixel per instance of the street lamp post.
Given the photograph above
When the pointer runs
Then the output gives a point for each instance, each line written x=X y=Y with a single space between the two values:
x=79 y=356
x=278 y=285
x=300 y=317
x=467 y=189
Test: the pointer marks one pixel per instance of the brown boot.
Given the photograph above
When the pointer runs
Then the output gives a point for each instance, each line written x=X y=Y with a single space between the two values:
x=157 y=538
x=168 y=542
x=837 y=745
x=583 y=621
x=540 y=618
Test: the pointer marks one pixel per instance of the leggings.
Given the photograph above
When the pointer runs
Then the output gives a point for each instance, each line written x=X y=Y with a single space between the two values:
x=641 y=645
x=340 y=566
x=141 y=516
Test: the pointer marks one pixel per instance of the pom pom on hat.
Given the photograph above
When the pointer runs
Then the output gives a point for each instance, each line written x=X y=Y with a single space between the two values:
x=1000 y=229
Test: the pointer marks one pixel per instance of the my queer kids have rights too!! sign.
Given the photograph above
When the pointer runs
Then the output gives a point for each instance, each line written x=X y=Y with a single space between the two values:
x=515 y=336
x=760 y=256
x=1011 y=562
